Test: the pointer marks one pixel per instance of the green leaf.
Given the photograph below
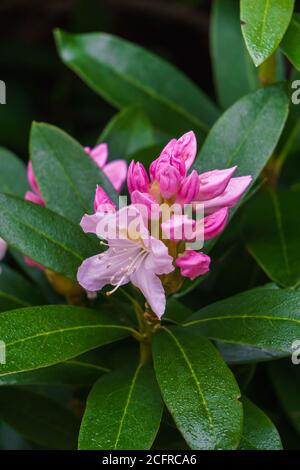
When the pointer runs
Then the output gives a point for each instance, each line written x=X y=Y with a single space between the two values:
x=16 y=291
x=123 y=411
x=198 y=388
x=234 y=73
x=125 y=74
x=38 y=418
x=66 y=175
x=263 y=318
x=13 y=179
x=44 y=236
x=243 y=354
x=236 y=138
x=264 y=24
x=77 y=371
x=38 y=337
x=176 y=311
x=275 y=240
x=127 y=133
x=285 y=378
x=291 y=41
x=259 y=433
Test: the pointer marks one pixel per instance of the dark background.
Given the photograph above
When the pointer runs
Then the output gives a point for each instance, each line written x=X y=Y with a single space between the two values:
x=41 y=88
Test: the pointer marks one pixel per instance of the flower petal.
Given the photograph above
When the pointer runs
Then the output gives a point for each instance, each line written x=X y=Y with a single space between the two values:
x=99 y=154
x=116 y=172
x=186 y=148
x=230 y=197
x=179 y=227
x=106 y=268
x=159 y=260
x=3 y=248
x=31 y=178
x=215 y=223
x=151 y=287
x=213 y=183
x=35 y=198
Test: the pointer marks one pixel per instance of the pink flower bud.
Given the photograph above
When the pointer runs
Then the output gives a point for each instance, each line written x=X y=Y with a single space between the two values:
x=213 y=183
x=186 y=148
x=102 y=202
x=215 y=223
x=193 y=264
x=137 y=178
x=189 y=188
x=31 y=178
x=179 y=227
x=147 y=204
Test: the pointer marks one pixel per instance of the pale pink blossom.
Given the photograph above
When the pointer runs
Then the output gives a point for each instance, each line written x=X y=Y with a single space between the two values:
x=139 y=261
x=116 y=171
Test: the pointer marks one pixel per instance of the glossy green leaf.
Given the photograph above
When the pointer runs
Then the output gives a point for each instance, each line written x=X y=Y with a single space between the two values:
x=259 y=433
x=274 y=242
x=37 y=276
x=244 y=354
x=125 y=74
x=198 y=388
x=13 y=179
x=127 y=133
x=66 y=175
x=77 y=371
x=176 y=311
x=123 y=411
x=285 y=378
x=16 y=291
x=37 y=337
x=264 y=24
x=234 y=72
x=236 y=138
x=268 y=319
x=291 y=41
x=38 y=418
x=44 y=236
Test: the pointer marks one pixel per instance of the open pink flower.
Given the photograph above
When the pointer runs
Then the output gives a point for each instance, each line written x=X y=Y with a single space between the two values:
x=137 y=260
x=116 y=171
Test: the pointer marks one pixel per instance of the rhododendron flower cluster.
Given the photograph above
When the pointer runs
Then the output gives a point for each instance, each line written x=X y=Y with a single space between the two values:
x=141 y=257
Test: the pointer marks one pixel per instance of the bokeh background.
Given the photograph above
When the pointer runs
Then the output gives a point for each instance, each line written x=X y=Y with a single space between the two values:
x=41 y=88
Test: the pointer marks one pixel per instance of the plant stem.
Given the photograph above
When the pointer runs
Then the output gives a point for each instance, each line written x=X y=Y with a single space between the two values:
x=145 y=352
x=267 y=71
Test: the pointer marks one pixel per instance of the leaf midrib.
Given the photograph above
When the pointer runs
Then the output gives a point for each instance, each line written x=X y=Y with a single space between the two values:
x=130 y=392
x=46 y=236
x=195 y=379
x=64 y=172
x=67 y=330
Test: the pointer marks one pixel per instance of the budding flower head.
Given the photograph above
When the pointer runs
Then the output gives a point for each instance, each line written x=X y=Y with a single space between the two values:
x=137 y=178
